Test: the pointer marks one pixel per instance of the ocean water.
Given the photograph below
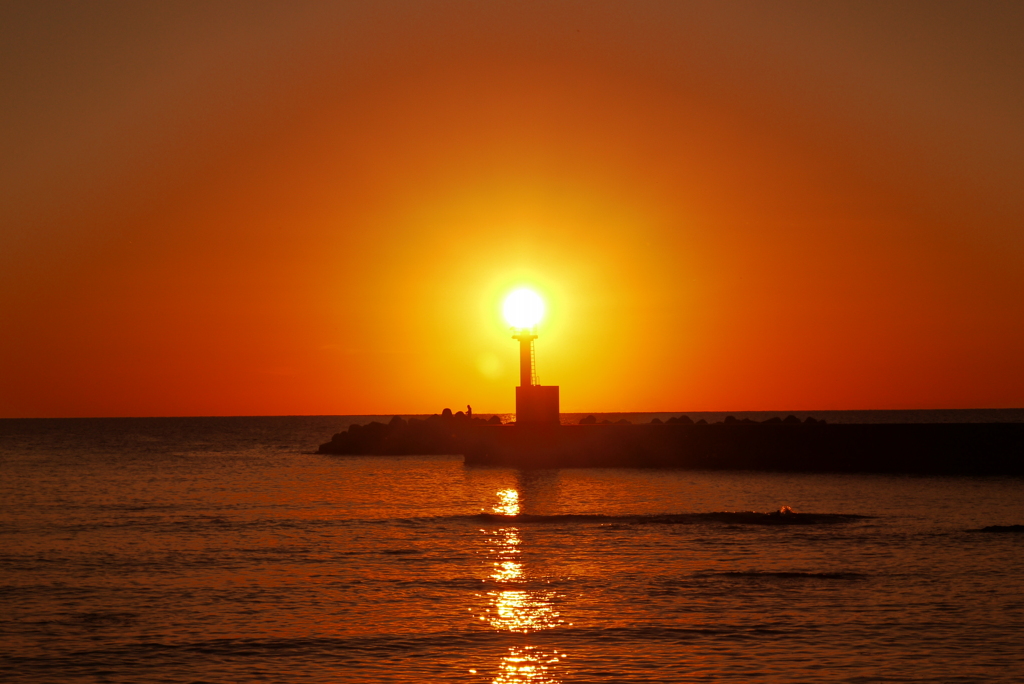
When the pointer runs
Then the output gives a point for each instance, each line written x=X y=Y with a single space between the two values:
x=223 y=550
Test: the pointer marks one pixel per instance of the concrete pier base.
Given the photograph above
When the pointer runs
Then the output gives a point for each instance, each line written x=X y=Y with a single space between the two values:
x=923 y=448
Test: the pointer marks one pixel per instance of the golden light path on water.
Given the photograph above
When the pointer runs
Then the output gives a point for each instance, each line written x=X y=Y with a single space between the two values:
x=508 y=502
x=518 y=609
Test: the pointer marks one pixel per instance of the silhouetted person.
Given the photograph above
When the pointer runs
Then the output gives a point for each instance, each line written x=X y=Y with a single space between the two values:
x=469 y=411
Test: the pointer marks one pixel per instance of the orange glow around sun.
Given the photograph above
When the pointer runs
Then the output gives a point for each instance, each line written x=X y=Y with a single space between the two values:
x=326 y=218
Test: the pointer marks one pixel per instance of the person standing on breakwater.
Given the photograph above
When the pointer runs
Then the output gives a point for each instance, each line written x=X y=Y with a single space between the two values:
x=469 y=411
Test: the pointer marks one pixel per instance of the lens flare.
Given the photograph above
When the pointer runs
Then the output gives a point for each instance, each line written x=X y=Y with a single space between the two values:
x=523 y=308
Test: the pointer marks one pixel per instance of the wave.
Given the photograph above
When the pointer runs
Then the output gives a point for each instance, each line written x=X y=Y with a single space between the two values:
x=363 y=649
x=718 y=517
x=178 y=525
x=1011 y=529
x=756 y=574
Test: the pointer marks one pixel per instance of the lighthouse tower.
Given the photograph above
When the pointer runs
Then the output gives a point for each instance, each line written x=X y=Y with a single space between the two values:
x=536 y=404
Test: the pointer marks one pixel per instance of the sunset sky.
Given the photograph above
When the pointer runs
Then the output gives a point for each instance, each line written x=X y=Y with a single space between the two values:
x=316 y=208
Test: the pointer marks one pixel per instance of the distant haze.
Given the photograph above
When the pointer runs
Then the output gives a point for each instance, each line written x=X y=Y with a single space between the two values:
x=315 y=208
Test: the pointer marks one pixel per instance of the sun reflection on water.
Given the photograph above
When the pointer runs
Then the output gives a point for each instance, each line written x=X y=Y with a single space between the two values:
x=522 y=611
x=515 y=607
x=506 y=571
x=507 y=568
x=508 y=502
x=527 y=664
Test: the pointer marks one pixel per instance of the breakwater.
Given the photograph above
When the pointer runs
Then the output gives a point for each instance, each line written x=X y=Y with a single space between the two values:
x=813 y=446
x=951 y=448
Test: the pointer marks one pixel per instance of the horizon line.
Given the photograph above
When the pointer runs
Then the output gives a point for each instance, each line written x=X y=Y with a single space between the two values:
x=503 y=413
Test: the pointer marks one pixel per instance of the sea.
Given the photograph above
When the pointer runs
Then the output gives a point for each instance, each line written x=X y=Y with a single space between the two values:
x=201 y=550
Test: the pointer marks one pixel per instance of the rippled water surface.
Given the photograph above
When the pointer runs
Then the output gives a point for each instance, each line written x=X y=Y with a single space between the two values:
x=214 y=550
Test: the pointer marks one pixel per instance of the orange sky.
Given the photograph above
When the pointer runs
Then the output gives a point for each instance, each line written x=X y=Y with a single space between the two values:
x=287 y=208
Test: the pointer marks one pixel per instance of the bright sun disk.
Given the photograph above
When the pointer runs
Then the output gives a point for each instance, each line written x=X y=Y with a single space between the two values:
x=523 y=308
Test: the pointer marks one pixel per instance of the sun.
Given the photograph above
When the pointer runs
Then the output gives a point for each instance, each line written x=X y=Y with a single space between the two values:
x=523 y=308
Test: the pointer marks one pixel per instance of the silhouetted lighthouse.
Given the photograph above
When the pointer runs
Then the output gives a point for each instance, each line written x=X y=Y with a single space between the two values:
x=535 y=404
x=527 y=372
